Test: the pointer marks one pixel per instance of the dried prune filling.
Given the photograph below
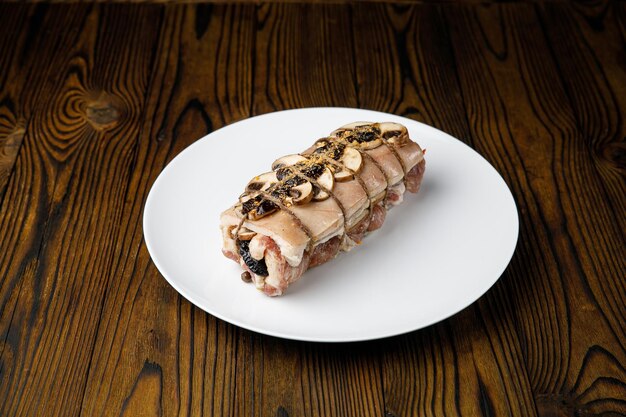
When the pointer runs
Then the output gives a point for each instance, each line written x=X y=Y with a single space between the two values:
x=259 y=267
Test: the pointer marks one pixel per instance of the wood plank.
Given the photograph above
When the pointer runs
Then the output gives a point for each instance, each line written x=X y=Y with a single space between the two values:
x=405 y=66
x=152 y=344
x=298 y=62
x=472 y=363
x=12 y=124
x=341 y=2
x=63 y=199
x=18 y=68
x=586 y=43
x=514 y=94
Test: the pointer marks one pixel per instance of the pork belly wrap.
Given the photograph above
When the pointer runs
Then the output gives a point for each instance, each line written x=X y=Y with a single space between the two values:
x=314 y=204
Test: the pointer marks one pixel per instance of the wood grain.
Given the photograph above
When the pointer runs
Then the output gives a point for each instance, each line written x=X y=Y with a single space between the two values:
x=11 y=125
x=428 y=90
x=558 y=192
x=96 y=99
x=65 y=190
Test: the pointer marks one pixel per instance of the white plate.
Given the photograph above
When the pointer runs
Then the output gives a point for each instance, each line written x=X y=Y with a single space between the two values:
x=436 y=253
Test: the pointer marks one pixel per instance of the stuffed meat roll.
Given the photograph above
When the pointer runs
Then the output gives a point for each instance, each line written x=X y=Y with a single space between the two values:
x=313 y=205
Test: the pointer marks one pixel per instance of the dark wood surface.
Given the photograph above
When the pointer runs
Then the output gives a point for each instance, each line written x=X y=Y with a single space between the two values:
x=96 y=99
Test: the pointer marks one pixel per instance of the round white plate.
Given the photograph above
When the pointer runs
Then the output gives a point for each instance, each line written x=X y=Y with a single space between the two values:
x=436 y=253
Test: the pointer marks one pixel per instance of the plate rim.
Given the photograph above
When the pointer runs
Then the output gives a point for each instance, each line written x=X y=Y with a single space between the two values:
x=350 y=339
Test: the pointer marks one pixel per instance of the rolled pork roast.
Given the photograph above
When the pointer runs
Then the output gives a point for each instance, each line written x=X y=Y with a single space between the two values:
x=322 y=201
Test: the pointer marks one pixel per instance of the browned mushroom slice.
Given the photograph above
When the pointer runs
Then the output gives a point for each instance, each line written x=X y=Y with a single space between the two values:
x=353 y=161
x=362 y=135
x=255 y=206
x=301 y=194
x=247 y=198
x=321 y=176
x=296 y=190
x=287 y=160
x=325 y=179
x=342 y=175
x=264 y=208
x=322 y=142
x=394 y=132
x=262 y=182
x=351 y=126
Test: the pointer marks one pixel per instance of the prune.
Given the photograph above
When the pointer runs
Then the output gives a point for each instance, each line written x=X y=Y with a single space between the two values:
x=256 y=266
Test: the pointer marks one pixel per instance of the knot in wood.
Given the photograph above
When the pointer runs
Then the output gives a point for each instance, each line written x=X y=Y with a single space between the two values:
x=102 y=112
x=9 y=147
x=13 y=140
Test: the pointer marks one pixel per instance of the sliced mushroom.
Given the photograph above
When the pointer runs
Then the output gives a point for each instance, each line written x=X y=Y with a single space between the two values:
x=301 y=194
x=393 y=132
x=295 y=190
x=342 y=175
x=360 y=135
x=330 y=150
x=262 y=209
x=287 y=160
x=262 y=182
x=352 y=159
x=350 y=126
x=326 y=180
x=365 y=139
x=322 y=142
x=371 y=145
x=338 y=132
x=245 y=197
x=255 y=206
x=343 y=171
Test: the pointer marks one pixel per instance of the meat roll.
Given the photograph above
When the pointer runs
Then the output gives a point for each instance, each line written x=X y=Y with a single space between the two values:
x=319 y=202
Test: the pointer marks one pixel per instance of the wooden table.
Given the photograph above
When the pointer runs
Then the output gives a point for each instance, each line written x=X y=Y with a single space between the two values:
x=96 y=99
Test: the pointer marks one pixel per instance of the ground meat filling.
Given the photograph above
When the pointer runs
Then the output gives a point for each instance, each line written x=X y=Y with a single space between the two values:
x=379 y=213
x=358 y=231
x=413 y=178
x=325 y=252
